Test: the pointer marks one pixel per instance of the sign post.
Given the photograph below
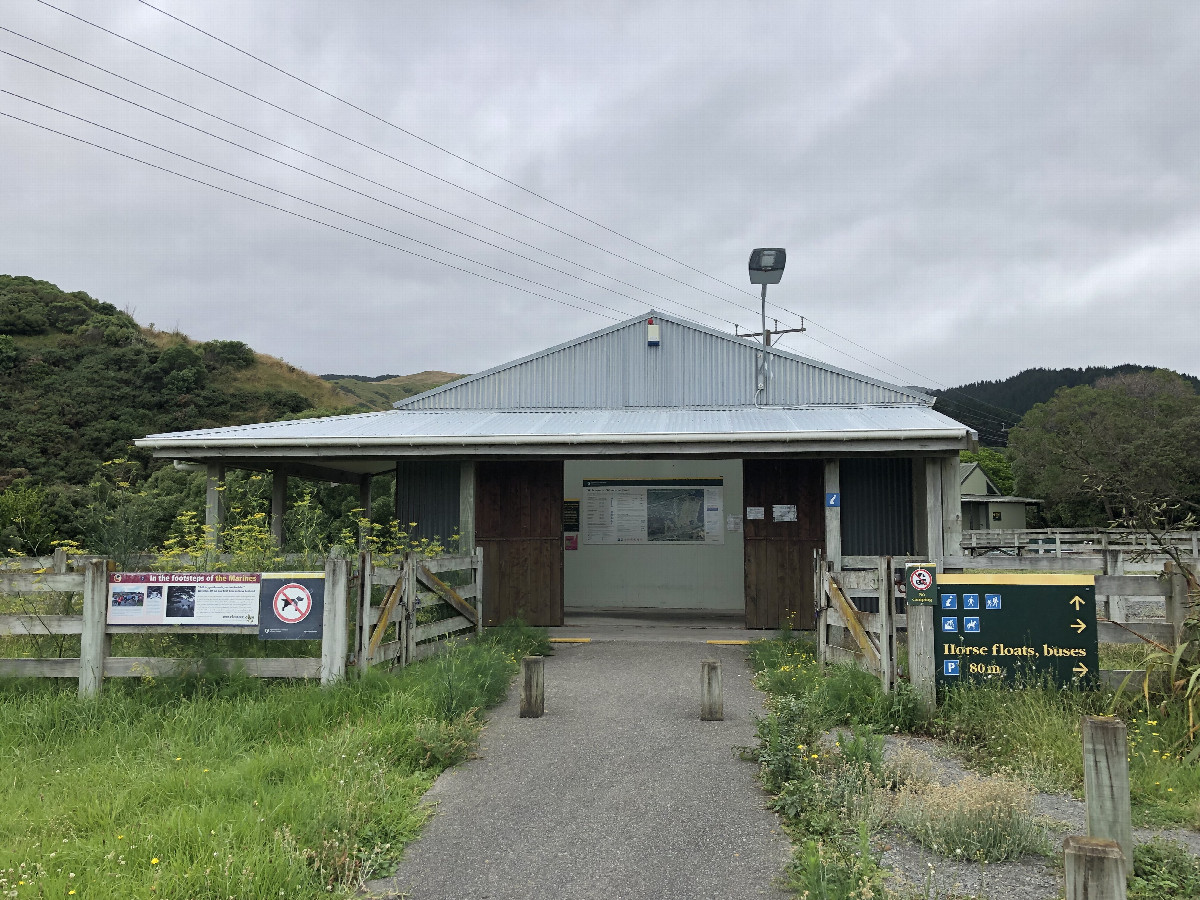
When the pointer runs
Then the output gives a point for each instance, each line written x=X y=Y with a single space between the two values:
x=920 y=588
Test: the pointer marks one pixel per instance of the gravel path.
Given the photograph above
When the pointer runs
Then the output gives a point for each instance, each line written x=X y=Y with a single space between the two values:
x=619 y=791
x=1031 y=878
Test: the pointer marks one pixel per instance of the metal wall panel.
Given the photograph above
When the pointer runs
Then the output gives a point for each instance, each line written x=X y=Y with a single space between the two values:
x=693 y=366
x=877 y=512
x=427 y=493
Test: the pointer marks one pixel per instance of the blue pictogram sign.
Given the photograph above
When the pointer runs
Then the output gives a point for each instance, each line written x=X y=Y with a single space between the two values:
x=949 y=623
x=950 y=667
x=970 y=623
x=949 y=601
x=970 y=601
x=992 y=601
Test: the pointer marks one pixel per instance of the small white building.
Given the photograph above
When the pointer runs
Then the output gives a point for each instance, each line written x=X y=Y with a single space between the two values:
x=617 y=471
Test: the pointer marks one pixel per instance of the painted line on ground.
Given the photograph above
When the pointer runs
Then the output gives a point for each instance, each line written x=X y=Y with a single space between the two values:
x=727 y=642
x=570 y=640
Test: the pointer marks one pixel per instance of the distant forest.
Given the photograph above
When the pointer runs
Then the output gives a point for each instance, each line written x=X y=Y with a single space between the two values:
x=993 y=407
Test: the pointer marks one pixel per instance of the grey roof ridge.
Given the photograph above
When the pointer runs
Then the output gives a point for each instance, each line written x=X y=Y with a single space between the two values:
x=919 y=396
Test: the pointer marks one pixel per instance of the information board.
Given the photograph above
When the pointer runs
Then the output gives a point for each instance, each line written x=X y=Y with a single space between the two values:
x=648 y=511
x=1004 y=626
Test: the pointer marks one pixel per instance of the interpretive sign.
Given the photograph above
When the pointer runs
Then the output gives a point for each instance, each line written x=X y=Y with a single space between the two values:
x=284 y=606
x=1004 y=626
x=647 y=511
x=183 y=598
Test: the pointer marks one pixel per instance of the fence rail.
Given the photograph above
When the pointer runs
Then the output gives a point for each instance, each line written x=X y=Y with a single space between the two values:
x=1072 y=541
x=418 y=587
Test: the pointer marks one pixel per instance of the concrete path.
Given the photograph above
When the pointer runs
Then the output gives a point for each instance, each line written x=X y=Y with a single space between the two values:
x=618 y=792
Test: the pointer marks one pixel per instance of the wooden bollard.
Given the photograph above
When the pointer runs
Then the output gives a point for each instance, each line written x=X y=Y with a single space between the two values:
x=712 y=702
x=1095 y=869
x=1106 y=783
x=533 y=687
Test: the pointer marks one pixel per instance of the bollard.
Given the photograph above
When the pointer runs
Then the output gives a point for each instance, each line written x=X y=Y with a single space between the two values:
x=712 y=703
x=1095 y=869
x=533 y=687
x=1106 y=783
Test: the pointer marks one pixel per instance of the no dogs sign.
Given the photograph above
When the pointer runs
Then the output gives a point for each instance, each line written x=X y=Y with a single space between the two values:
x=291 y=607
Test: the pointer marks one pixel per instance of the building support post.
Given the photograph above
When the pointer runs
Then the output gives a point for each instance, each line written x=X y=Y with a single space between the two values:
x=833 y=514
x=364 y=503
x=279 y=487
x=214 y=502
x=466 y=507
x=934 y=539
x=951 y=507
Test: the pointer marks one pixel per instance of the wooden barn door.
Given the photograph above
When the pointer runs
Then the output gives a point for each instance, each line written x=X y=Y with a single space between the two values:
x=779 y=554
x=518 y=523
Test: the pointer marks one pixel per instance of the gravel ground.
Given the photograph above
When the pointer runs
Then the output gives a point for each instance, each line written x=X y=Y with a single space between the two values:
x=1032 y=878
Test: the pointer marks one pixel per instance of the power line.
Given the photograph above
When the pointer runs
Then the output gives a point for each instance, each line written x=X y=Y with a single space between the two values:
x=396 y=159
x=333 y=165
x=298 y=215
x=324 y=179
x=439 y=147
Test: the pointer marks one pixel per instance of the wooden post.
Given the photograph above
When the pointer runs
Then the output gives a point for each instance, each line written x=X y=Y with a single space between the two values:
x=362 y=640
x=279 y=486
x=466 y=507
x=364 y=503
x=1177 y=601
x=921 y=662
x=95 y=642
x=533 y=687
x=1095 y=869
x=951 y=507
x=887 y=660
x=1106 y=783
x=933 y=509
x=214 y=502
x=821 y=581
x=333 y=635
x=712 y=701
x=479 y=590
x=59 y=561
x=833 y=514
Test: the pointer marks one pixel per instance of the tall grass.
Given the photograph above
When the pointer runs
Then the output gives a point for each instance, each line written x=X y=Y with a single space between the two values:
x=232 y=787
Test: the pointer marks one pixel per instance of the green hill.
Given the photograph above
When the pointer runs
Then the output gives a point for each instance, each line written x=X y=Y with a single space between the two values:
x=382 y=392
x=80 y=379
x=992 y=407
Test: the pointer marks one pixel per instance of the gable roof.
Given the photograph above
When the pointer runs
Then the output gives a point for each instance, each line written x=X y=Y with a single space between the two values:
x=694 y=366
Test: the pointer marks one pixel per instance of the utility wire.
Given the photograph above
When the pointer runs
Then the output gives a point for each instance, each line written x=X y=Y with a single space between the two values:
x=320 y=206
x=440 y=148
x=448 y=182
x=332 y=165
x=299 y=215
x=327 y=181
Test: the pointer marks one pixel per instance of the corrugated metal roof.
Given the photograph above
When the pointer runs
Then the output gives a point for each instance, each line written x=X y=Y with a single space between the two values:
x=414 y=427
x=694 y=366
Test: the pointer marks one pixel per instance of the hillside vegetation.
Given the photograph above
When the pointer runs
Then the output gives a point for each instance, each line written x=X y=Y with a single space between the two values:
x=81 y=379
x=385 y=390
x=994 y=407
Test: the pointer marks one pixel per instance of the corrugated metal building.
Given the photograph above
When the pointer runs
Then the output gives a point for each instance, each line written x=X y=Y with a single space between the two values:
x=683 y=484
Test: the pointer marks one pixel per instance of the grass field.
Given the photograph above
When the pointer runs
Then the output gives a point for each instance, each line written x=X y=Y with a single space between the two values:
x=232 y=787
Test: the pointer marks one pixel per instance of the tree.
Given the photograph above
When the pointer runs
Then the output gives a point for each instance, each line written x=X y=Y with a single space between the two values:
x=1125 y=451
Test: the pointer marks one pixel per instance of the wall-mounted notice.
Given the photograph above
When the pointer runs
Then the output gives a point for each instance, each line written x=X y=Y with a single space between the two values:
x=756 y=512
x=733 y=523
x=291 y=606
x=183 y=598
x=648 y=511
x=783 y=512
x=570 y=516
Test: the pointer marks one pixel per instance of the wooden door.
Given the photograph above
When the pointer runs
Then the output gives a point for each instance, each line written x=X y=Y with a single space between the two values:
x=518 y=523
x=779 y=554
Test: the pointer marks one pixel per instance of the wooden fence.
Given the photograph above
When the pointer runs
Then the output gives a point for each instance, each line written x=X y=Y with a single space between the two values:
x=861 y=606
x=418 y=589
x=1074 y=541
x=392 y=631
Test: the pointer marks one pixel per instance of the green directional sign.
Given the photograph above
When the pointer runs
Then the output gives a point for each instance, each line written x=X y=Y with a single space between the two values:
x=1002 y=626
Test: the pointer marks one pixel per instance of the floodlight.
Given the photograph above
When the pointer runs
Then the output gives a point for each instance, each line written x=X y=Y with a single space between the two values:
x=766 y=265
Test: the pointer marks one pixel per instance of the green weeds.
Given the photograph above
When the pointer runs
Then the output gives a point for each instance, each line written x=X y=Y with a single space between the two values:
x=219 y=787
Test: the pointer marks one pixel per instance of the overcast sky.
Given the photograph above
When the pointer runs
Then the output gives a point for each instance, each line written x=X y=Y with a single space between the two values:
x=965 y=189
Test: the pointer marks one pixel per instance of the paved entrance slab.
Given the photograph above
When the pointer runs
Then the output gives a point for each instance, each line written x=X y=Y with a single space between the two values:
x=619 y=791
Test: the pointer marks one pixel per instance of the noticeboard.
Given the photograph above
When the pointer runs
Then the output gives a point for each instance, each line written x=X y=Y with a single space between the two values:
x=1005 y=626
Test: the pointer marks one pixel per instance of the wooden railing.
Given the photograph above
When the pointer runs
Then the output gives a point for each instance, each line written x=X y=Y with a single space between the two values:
x=1073 y=541
x=391 y=631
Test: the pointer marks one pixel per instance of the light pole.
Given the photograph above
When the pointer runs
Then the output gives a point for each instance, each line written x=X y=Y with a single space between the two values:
x=766 y=267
